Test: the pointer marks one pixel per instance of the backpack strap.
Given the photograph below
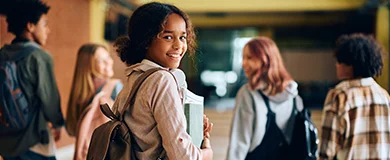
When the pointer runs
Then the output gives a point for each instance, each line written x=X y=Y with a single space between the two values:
x=134 y=90
x=295 y=104
x=266 y=101
x=131 y=98
x=105 y=108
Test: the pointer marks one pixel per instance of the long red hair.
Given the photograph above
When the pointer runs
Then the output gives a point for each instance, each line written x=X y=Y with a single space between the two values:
x=272 y=71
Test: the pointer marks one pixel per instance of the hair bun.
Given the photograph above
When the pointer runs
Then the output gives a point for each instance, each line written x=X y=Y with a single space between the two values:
x=122 y=45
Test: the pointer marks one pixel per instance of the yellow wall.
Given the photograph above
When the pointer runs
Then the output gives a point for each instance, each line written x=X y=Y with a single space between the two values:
x=97 y=12
x=262 y=5
x=382 y=35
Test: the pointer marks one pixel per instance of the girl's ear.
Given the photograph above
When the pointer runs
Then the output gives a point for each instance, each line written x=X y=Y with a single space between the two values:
x=30 y=27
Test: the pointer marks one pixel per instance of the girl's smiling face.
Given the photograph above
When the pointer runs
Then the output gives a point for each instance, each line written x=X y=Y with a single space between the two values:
x=170 y=45
x=250 y=63
x=103 y=63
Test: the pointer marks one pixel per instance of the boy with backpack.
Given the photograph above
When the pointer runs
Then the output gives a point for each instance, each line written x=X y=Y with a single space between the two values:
x=30 y=108
x=355 y=121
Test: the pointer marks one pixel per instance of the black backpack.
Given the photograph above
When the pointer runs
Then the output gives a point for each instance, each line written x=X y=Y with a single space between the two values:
x=304 y=141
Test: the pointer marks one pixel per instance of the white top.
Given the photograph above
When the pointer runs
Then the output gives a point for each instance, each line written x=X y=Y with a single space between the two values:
x=250 y=118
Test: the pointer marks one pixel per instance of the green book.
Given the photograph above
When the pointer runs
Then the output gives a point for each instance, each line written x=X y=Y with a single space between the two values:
x=193 y=110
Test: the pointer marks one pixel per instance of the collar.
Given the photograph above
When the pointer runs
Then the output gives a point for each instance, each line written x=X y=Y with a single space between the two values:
x=144 y=65
x=361 y=82
x=148 y=64
x=20 y=40
x=25 y=41
x=151 y=63
x=179 y=74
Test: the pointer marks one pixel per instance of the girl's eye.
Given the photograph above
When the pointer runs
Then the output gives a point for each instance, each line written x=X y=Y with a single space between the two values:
x=183 y=37
x=168 y=37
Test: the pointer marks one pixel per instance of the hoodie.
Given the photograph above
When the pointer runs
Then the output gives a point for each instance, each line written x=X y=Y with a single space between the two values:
x=250 y=118
x=36 y=78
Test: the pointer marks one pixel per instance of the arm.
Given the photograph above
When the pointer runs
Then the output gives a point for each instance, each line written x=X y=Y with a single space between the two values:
x=242 y=126
x=168 y=112
x=47 y=91
x=332 y=128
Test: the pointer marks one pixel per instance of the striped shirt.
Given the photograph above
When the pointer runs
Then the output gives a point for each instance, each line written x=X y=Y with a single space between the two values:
x=355 y=122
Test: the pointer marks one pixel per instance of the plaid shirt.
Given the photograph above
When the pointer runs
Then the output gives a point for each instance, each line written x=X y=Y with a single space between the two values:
x=356 y=122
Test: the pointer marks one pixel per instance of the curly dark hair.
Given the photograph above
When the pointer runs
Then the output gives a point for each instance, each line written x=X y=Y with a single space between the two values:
x=144 y=25
x=362 y=52
x=23 y=12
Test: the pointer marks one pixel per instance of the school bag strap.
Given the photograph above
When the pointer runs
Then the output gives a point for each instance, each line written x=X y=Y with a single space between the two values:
x=114 y=140
x=134 y=90
x=266 y=101
x=108 y=112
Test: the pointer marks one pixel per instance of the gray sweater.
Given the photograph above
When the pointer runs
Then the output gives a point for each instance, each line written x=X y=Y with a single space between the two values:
x=36 y=77
x=250 y=118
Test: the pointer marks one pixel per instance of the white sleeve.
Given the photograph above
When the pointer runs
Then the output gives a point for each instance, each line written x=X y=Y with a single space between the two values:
x=242 y=126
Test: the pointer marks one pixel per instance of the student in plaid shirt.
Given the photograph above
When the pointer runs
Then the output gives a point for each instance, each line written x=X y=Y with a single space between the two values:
x=356 y=121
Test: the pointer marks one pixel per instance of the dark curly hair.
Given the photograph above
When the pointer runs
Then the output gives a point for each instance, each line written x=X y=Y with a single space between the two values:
x=23 y=12
x=144 y=25
x=362 y=52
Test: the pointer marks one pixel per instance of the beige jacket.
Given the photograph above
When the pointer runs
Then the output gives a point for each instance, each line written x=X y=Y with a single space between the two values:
x=157 y=119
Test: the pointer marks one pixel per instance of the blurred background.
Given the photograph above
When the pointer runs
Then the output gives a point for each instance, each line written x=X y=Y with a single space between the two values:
x=304 y=30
